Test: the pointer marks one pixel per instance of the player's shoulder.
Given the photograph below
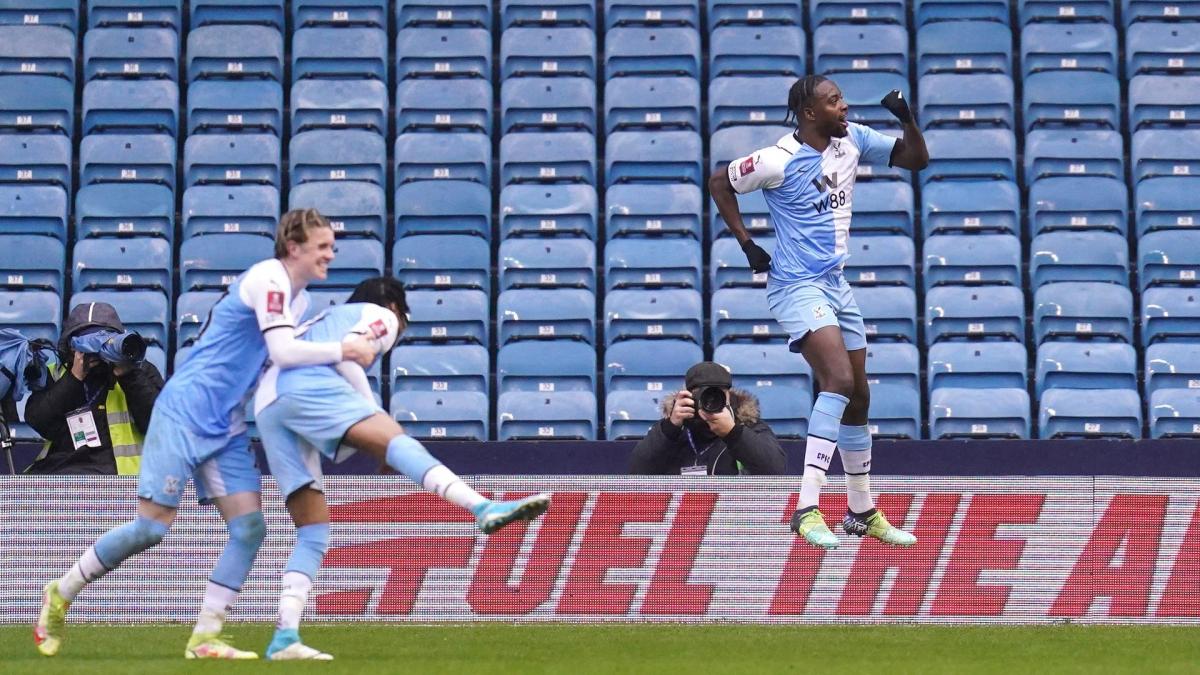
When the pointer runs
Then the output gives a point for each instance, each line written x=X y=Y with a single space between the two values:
x=269 y=272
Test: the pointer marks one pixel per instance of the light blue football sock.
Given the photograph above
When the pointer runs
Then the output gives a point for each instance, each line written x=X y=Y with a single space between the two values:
x=246 y=533
x=121 y=543
x=406 y=455
x=311 y=543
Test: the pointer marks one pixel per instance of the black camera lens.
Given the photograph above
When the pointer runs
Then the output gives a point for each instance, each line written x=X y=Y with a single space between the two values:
x=710 y=399
x=133 y=347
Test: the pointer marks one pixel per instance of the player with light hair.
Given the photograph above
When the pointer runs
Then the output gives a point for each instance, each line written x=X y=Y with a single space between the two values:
x=807 y=179
x=197 y=430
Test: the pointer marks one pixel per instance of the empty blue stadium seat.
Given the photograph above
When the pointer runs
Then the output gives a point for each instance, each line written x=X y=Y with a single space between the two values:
x=540 y=314
x=785 y=411
x=321 y=300
x=651 y=12
x=982 y=100
x=234 y=52
x=731 y=143
x=1165 y=152
x=932 y=11
x=651 y=51
x=191 y=314
x=1069 y=46
x=538 y=12
x=652 y=102
x=977 y=366
x=31 y=262
x=882 y=207
x=728 y=267
x=235 y=106
x=1070 y=365
x=1171 y=365
x=1164 y=100
x=893 y=363
x=1170 y=314
x=36 y=314
x=1175 y=413
x=653 y=156
x=354 y=208
x=547 y=104
x=971 y=206
x=440 y=368
x=351 y=154
x=655 y=210
x=853 y=48
x=741 y=315
x=889 y=313
x=971 y=154
x=895 y=411
x=546 y=365
x=857 y=11
x=447 y=316
x=131 y=52
x=340 y=53
x=425 y=105
x=1161 y=48
x=61 y=13
x=964 y=47
x=443 y=261
x=972 y=260
x=1080 y=309
x=1079 y=256
x=443 y=52
x=756 y=218
x=861 y=92
x=1072 y=97
x=131 y=106
x=546 y=210
x=722 y=12
x=757 y=50
x=649 y=365
x=527 y=415
x=214 y=261
x=1158 y=10
x=356 y=261
x=212 y=209
x=37 y=50
x=340 y=13
x=1055 y=10
x=1090 y=413
x=144 y=312
x=339 y=104
x=1074 y=152
x=36 y=103
x=232 y=159
x=131 y=209
x=978 y=413
x=1089 y=203
x=134 y=13
x=471 y=13
x=760 y=365
x=443 y=207
x=139 y=158
x=1169 y=258
x=547 y=263
x=123 y=264
x=995 y=312
x=657 y=314
x=33 y=209
x=209 y=12
x=548 y=157
x=1166 y=203
x=629 y=414
x=453 y=156
x=652 y=263
x=887 y=260
x=548 y=51
x=437 y=415
x=35 y=159
x=736 y=100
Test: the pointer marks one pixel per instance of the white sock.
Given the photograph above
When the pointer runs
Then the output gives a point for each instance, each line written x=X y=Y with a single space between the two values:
x=85 y=570
x=817 y=454
x=858 y=492
x=292 y=599
x=446 y=484
x=217 y=601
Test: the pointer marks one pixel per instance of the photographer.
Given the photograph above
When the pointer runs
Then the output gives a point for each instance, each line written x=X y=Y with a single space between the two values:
x=97 y=410
x=709 y=429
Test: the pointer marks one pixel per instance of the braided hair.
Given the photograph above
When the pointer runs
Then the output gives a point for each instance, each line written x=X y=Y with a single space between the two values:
x=295 y=226
x=800 y=96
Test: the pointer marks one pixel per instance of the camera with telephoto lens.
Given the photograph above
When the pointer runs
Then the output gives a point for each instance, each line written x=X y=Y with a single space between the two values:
x=111 y=346
x=709 y=399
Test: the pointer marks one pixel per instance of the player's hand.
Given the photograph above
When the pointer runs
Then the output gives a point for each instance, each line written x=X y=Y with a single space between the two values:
x=359 y=350
x=898 y=106
x=760 y=260
x=720 y=423
x=684 y=408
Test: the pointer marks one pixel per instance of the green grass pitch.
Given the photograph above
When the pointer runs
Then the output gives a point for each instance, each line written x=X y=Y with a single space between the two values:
x=627 y=648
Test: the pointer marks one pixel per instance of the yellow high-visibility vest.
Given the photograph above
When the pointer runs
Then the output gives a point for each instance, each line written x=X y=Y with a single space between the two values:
x=126 y=439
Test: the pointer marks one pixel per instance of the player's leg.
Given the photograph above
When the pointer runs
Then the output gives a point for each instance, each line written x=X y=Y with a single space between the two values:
x=381 y=437
x=310 y=513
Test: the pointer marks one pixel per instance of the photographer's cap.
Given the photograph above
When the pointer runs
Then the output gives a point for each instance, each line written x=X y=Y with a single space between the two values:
x=90 y=315
x=708 y=374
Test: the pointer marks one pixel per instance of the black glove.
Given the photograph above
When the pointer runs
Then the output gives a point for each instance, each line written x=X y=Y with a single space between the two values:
x=898 y=106
x=760 y=260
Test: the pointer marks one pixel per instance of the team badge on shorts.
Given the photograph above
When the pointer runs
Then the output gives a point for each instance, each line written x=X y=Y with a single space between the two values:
x=821 y=311
x=170 y=486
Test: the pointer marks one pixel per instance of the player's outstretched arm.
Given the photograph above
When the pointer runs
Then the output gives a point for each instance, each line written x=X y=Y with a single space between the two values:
x=910 y=151
x=725 y=197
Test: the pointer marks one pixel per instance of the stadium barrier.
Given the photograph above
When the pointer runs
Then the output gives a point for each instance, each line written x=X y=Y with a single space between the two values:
x=990 y=550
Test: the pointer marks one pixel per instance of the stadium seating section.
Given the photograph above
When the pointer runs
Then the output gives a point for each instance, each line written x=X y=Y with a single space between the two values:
x=535 y=172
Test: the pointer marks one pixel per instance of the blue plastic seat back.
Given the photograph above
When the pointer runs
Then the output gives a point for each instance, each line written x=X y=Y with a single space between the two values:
x=852 y=48
x=440 y=368
x=321 y=300
x=1070 y=365
x=548 y=104
x=353 y=208
x=822 y=12
x=1079 y=256
x=131 y=52
x=1072 y=98
x=732 y=143
x=340 y=13
x=137 y=158
x=786 y=411
x=633 y=103
x=889 y=313
x=31 y=262
x=547 y=263
x=527 y=415
x=61 y=13
x=629 y=414
x=141 y=263
x=957 y=413
x=447 y=156
x=443 y=207
x=756 y=12
x=1170 y=314
x=212 y=12
x=861 y=91
x=144 y=312
x=458 y=13
x=339 y=104
x=443 y=261
x=652 y=51
x=887 y=260
x=443 y=52
x=970 y=365
x=1071 y=310
x=1169 y=258
x=652 y=263
x=191 y=315
x=36 y=103
x=933 y=11
x=964 y=47
x=893 y=363
x=131 y=106
x=766 y=364
x=972 y=101
x=1164 y=101
x=125 y=210
x=551 y=52
x=233 y=159
x=895 y=411
x=1165 y=152
x=654 y=156
x=166 y=13
x=742 y=315
x=1172 y=365
x=1090 y=413
x=1074 y=152
x=214 y=261
x=756 y=217
x=973 y=260
x=649 y=365
x=343 y=53
x=236 y=52
x=660 y=314
x=557 y=157
x=35 y=159
x=735 y=100
x=548 y=210
x=37 y=50
x=1165 y=204
x=1089 y=203
x=539 y=12
x=35 y=314
x=883 y=207
x=728 y=267
x=217 y=106
x=356 y=261
x=971 y=207
x=653 y=210
x=1175 y=413
x=33 y=209
x=546 y=314
x=429 y=105
x=1157 y=10
x=651 y=13
x=1069 y=46
x=1031 y=11
x=555 y=365
x=1153 y=47
x=352 y=154
x=973 y=154
x=447 y=316
x=757 y=50
x=435 y=415
x=213 y=209
x=986 y=312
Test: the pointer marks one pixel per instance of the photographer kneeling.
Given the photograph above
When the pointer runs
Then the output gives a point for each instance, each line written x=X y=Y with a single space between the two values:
x=97 y=410
x=710 y=429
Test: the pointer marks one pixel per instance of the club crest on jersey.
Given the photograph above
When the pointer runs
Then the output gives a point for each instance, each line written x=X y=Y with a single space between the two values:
x=274 y=302
x=378 y=329
x=746 y=167
x=837 y=150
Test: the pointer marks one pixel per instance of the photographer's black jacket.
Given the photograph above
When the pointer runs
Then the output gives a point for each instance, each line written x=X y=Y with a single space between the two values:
x=47 y=412
x=665 y=449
